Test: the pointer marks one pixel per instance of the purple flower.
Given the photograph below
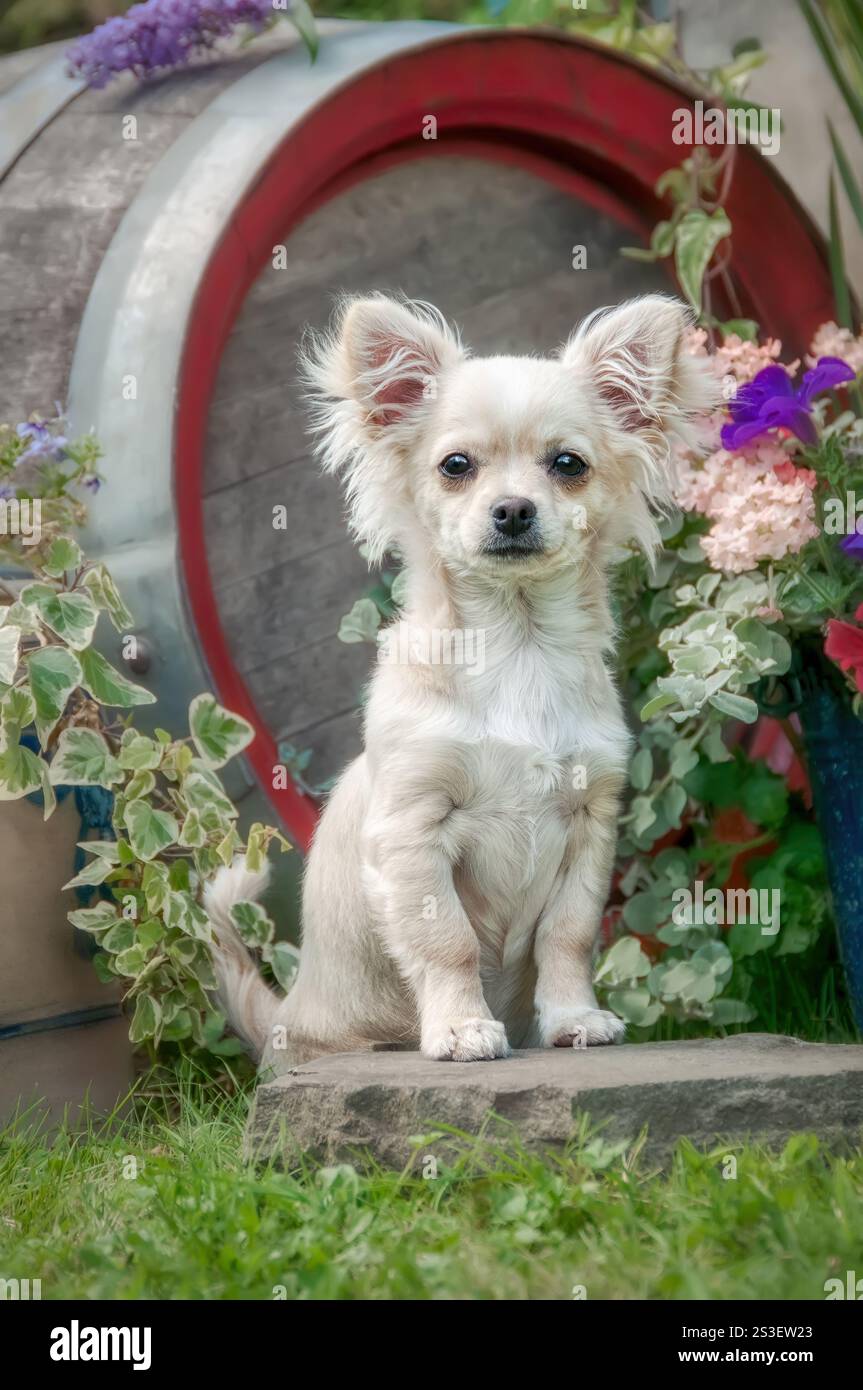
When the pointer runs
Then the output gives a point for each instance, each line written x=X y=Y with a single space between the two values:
x=853 y=544
x=162 y=34
x=43 y=443
x=770 y=402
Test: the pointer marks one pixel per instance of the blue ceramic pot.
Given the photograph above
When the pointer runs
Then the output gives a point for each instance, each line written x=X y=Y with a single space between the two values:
x=834 y=740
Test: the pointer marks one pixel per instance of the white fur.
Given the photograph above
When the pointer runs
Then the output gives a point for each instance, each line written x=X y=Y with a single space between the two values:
x=456 y=884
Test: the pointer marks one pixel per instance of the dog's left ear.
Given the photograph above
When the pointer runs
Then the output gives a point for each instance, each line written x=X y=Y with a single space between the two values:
x=372 y=379
x=635 y=359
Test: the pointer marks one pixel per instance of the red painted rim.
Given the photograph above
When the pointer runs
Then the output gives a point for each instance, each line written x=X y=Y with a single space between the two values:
x=589 y=120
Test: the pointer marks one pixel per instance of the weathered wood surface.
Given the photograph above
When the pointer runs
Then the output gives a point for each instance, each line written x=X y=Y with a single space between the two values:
x=492 y=246
x=61 y=202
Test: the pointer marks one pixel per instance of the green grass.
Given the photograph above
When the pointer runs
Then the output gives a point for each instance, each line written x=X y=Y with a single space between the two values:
x=495 y=1223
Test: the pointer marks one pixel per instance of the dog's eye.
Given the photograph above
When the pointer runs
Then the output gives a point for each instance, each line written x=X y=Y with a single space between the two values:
x=569 y=465
x=455 y=465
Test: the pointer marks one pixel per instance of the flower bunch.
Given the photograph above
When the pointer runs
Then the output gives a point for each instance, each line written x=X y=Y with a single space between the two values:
x=159 y=35
x=777 y=499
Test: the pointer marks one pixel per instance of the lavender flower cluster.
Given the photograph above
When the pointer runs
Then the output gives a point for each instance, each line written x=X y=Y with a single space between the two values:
x=162 y=34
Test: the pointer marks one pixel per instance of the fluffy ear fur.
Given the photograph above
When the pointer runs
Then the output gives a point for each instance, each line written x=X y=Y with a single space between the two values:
x=655 y=394
x=371 y=378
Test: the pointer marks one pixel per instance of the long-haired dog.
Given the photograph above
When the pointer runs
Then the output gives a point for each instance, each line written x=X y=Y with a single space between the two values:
x=454 y=892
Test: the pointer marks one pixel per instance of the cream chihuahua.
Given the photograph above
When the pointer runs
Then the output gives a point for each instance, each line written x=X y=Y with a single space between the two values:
x=455 y=889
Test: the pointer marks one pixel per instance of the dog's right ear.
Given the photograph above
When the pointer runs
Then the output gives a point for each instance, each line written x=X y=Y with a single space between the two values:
x=370 y=378
x=383 y=358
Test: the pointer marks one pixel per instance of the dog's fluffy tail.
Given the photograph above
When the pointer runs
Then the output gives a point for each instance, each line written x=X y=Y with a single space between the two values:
x=248 y=1003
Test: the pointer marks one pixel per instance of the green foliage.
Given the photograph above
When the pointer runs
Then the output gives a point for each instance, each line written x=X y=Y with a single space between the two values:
x=703 y=655
x=174 y=823
x=162 y=1205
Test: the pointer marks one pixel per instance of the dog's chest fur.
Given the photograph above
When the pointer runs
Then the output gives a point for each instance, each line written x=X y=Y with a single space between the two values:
x=537 y=731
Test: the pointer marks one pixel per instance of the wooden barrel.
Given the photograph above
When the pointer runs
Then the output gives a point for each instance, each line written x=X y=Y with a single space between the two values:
x=172 y=240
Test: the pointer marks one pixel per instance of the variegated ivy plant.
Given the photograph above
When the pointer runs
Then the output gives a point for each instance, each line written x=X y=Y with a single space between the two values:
x=65 y=722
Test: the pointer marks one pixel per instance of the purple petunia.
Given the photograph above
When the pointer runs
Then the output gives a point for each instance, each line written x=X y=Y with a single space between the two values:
x=162 y=34
x=770 y=402
x=853 y=544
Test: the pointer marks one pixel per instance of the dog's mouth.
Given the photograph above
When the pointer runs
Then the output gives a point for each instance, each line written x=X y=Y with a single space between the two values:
x=513 y=547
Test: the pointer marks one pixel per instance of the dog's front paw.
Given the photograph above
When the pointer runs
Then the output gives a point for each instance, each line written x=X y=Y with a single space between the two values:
x=466 y=1040
x=582 y=1027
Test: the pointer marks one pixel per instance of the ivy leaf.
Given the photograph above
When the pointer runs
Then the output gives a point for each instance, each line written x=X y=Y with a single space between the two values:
x=146 y=1020
x=95 y=919
x=105 y=594
x=105 y=849
x=83 y=759
x=10 y=644
x=150 y=831
x=155 y=887
x=17 y=711
x=119 y=938
x=362 y=623
x=20 y=772
x=102 y=968
x=139 y=753
x=203 y=792
x=63 y=554
x=217 y=734
x=92 y=874
x=284 y=960
x=140 y=784
x=252 y=923
x=256 y=848
x=108 y=686
x=192 y=834
x=188 y=916
x=697 y=238
x=72 y=617
x=54 y=673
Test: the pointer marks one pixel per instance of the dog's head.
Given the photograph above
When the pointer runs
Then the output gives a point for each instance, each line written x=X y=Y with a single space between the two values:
x=504 y=465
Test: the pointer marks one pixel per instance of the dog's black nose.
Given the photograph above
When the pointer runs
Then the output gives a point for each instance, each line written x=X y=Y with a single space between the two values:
x=513 y=515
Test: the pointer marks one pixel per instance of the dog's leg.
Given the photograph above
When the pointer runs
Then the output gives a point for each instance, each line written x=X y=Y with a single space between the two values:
x=567 y=1012
x=427 y=930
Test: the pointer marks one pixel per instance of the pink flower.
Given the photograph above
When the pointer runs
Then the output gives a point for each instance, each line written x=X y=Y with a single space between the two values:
x=786 y=473
x=761 y=506
x=832 y=341
x=737 y=357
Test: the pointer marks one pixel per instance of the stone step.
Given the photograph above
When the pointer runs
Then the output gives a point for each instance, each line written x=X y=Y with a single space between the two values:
x=755 y=1085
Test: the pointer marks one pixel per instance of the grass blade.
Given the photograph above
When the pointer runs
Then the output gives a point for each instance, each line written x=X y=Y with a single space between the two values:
x=837 y=264
x=852 y=188
x=827 y=48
